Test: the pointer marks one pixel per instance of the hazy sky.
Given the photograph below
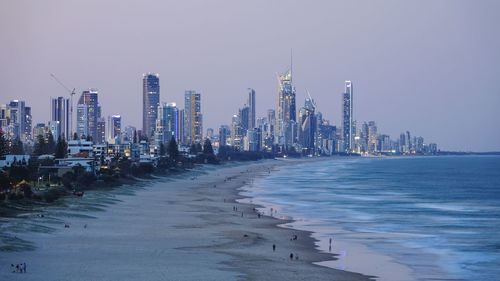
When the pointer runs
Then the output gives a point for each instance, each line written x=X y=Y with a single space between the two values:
x=431 y=67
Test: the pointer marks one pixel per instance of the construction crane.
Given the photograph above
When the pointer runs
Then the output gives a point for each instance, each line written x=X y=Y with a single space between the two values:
x=71 y=93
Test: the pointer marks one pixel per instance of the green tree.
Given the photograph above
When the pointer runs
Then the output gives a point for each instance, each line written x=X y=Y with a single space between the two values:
x=51 y=144
x=40 y=146
x=162 y=149
x=207 y=147
x=75 y=136
x=4 y=147
x=17 y=147
x=172 y=149
x=61 y=148
x=192 y=149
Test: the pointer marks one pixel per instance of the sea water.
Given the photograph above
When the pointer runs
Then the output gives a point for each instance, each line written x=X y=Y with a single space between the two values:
x=437 y=216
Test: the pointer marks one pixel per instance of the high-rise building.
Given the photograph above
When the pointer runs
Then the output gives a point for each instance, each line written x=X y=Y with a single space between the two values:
x=115 y=128
x=167 y=124
x=244 y=115
x=251 y=106
x=101 y=131
x=286 y=110
x=372 y=137
x=88 y=113
x=307 y=126
x=347 y=118
x=180 y=126
x=60 y=111
x=224 y=134
x=193 y=119
x=18 y=121
x=150 y=102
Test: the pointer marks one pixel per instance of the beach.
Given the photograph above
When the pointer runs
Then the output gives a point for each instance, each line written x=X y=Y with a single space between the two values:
x=186 y=227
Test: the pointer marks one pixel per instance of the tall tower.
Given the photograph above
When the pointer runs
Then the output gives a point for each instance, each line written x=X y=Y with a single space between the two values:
x=60 y=113
x=167 y=123
x=88 y=113
x=193 y=119
x=251 y=105
x=347 y=118
x=150 y=102
x=287 y=113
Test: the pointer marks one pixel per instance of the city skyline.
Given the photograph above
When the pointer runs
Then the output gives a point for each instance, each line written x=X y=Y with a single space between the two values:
x=422 y=87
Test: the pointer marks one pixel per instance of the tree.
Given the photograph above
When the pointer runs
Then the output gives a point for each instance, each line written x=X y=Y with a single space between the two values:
x=89 y=138
x=61 y=148
x=51 y=144
x=172 y=149
x=40 y=146
x=75 y=136
x=192 y=149
x=207 y=147
x=4 y=147
x=162 y=149
x=17 y=147
x=198 y=147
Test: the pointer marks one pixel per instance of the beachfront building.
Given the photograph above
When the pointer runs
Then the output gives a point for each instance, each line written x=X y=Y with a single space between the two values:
x=193 y=119
x=167 y=123
x=115 y=128
x=251 y=108
x=150 y=102
x=60 y=112
x=87 y=114
x=347 y=118
x=16 y=120
x=286 y=119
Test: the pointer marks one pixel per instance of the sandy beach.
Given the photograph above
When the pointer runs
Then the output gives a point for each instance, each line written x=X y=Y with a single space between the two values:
x=187 y=227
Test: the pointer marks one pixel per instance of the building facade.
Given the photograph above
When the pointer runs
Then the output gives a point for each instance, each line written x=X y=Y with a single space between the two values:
x=347 y=118
x=150 y=102
x=193 y=119
x=60 y=112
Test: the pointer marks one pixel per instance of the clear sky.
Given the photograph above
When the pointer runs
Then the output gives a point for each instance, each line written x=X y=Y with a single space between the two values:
x=431 y=67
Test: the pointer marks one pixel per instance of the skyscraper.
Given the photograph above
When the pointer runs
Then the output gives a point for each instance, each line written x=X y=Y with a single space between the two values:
x=19 y=120
x=150 y=102
x=347 y=118
x=286 y=110
x=307 y=123
x=115 y=127
x=193 y=119
x=87 y=111
x=244 y=115
x=167 y=123
x=60 y=111
x=101 y=131
x=251 y=106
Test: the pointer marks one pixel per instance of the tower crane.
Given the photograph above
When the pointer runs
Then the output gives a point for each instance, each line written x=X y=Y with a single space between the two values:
x=71 y=93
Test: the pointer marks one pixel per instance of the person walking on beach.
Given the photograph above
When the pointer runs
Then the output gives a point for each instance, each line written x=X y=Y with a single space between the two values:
x=274 y=247
x=291 y=256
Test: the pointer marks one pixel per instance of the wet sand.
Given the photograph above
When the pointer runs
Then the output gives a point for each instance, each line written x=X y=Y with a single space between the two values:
x=181 y=229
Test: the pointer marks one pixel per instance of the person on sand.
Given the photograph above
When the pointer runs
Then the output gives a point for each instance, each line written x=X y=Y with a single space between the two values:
x=291 y=256
x=274 y=247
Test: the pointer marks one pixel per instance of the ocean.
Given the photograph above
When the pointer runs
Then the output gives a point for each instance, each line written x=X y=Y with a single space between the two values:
x=436 y=217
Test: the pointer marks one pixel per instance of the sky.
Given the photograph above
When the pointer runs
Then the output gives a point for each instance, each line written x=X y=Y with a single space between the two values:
x=430 y=67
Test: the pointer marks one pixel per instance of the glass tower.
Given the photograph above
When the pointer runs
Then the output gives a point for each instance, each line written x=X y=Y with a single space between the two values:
x=347 y=118
x=150 y=102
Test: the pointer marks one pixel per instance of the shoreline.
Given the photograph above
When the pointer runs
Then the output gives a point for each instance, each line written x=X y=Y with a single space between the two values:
x=210 y=240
